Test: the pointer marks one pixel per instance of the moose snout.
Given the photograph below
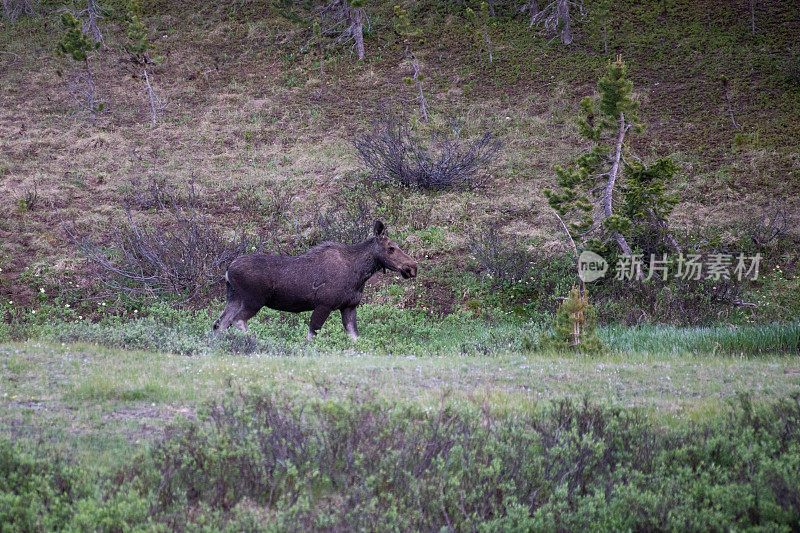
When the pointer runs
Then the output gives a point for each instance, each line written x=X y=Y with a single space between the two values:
x=409 y=271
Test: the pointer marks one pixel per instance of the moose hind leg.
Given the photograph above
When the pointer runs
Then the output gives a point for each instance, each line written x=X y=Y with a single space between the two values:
x=318 y=318
x=349 y=322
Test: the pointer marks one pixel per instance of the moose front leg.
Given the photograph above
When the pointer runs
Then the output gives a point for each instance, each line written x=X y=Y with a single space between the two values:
x=349 y=322
x=318 y=318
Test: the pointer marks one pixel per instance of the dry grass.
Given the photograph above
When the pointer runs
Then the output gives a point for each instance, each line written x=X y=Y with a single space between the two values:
x=240 y=114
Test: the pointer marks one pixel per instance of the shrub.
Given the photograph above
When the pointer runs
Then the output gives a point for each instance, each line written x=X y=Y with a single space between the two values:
x=39 y=492
x=257 y=460
x=529 y=281
x=354 y=209
x=177 y=257
x=505 y=261
x=391 y=153
x=575 y=325
x=676 y=301
x=363 y=464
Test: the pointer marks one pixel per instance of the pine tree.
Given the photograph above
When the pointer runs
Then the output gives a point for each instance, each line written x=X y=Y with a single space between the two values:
x=587 y=193
x=139 y=47
x=411 y=34
x=479 y=24
x=575 y=326
x=78 y=45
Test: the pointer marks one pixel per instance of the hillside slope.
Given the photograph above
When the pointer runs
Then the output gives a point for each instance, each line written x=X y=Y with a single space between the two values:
x=261 y=125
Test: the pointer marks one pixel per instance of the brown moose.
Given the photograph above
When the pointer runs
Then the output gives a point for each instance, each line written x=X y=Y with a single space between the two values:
x=328 y=277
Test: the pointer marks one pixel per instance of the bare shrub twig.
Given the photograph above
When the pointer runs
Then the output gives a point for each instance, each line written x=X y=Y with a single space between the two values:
x=180 y=257
x=772 y=226
x=391 y=153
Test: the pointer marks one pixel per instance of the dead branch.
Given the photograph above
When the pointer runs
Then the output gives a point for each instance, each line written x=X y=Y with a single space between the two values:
x=155 y=102
x=770 y=227
x=554 y=16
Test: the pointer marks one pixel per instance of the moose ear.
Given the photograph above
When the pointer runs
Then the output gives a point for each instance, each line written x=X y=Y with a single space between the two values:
x=380 y=229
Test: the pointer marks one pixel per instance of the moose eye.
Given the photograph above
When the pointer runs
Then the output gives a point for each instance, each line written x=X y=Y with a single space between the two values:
x=391 y=250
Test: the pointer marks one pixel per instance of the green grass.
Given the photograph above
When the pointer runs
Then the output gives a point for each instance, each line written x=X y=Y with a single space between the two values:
x=96 y=405
x=113 y=415
x=743 y=341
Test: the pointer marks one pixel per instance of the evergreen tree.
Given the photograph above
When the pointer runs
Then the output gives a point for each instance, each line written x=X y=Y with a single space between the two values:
x=587 y=194
x=575 y=326
x=139 y=47
x=78 y=45
x=411 y=34
x=479 y=24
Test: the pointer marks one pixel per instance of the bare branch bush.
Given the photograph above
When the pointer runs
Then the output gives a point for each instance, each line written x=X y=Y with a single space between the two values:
x=770 y=227
x=392 y=154
x=158 y=194
x=355 y=207
x=504 y=261
x=180 y=256
x=14 y=9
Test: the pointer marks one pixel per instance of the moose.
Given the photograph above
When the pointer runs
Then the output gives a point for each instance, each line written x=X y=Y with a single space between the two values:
x=328 y=277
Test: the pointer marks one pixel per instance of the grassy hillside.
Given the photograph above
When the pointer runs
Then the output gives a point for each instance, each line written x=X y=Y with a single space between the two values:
x=260 y=124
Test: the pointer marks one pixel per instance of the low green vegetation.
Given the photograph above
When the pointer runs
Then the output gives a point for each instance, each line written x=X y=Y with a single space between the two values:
x=260 y=461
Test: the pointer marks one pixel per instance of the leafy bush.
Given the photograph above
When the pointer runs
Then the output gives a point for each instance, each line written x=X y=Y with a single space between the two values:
x=257 y=461
x=44 y=493
x=365 y=464
x=391 y=153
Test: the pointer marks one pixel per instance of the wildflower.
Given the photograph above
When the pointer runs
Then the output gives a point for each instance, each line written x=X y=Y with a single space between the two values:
x=66 y=306
x=33 y=311
x=80 y=317
x=41 y=290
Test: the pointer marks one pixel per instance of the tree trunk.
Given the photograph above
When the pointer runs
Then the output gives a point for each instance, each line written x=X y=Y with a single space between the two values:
x=608 y=196
x=562 y=18
x=90 y=26
x=357 y=17
x=533 y=7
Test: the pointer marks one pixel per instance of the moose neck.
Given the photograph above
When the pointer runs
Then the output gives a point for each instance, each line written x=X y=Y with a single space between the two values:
x=366 y=263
